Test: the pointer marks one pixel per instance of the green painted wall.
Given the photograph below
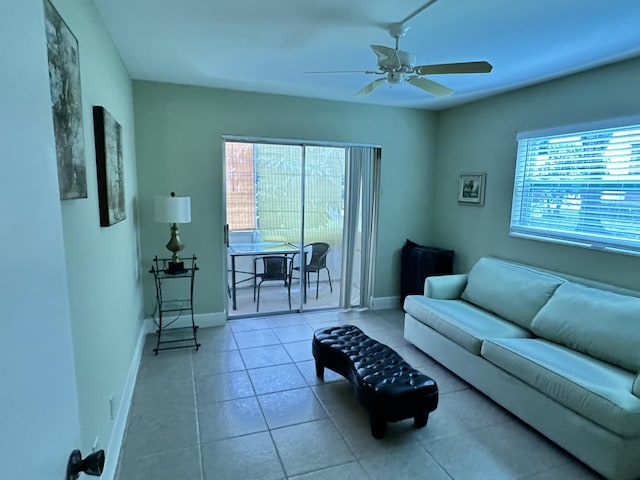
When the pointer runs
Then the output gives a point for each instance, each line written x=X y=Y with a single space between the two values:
x=480 y=137
x=105 y=293
x=179 y=133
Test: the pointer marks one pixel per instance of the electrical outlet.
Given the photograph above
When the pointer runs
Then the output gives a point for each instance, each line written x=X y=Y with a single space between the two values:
x=111 y=408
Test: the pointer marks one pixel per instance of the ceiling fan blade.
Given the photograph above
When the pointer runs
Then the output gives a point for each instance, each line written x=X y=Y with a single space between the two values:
x=416 y=12
x=430 y=86
x=385 y=54
x=367 y=89
x=332 y=72
x=462 y=67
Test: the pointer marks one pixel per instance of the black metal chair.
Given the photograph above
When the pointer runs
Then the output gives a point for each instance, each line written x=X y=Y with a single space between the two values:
x=274 y=268
x=315 y=264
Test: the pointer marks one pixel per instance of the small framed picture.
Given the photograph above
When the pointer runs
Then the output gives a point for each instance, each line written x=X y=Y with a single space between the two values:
x=471 y=189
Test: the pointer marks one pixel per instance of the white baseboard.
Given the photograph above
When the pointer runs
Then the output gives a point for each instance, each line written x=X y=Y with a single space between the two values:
x=384 y=303
x=120 y=423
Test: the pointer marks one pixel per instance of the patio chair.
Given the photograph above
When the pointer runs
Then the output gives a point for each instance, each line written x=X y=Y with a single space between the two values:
x=316 y=263
x=274 y=268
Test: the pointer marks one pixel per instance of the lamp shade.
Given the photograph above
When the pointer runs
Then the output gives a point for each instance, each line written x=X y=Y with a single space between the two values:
x=173 y=209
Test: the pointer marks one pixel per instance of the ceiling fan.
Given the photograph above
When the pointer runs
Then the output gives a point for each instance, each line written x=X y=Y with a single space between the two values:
x=398 y=66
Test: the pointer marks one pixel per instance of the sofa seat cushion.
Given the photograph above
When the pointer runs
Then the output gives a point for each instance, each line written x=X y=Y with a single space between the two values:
x=511 y=291
x=602 y=324
x=461 y=322
x=592 y=388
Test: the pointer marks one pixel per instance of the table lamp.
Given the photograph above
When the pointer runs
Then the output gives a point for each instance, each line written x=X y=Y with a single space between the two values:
x=173 y=210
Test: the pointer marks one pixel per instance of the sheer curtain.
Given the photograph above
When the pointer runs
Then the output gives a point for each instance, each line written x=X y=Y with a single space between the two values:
x=360 y=231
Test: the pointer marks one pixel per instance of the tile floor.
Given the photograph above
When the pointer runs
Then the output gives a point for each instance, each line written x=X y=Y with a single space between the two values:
x=249 y=406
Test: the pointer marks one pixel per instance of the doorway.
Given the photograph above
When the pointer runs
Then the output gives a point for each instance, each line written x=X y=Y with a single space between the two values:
x=306 y=203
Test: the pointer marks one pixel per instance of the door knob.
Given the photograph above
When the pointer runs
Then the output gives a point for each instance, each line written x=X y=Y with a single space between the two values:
x=93 y=464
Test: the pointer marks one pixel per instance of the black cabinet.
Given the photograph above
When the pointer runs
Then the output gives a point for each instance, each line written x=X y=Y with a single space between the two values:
x=420 y=262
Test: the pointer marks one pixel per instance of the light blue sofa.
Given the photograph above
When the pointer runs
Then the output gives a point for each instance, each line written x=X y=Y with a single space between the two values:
x=560 y=352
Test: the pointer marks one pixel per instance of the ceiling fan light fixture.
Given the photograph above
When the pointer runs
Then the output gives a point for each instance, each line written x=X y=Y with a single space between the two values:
x=395 y=77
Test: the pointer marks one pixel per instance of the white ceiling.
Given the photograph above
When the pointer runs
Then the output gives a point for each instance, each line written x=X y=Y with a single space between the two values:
x=268 y=45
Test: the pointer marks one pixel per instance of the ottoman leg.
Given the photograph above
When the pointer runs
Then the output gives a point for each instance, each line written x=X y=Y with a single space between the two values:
x=420 y=421
x=378 y=426
x=319 y=370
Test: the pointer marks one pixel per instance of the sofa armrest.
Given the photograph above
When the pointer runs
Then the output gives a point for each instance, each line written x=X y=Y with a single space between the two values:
x=635 y=389
x=445 y=287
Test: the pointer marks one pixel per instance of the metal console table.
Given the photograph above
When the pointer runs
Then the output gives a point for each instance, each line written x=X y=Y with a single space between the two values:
x=174 y=306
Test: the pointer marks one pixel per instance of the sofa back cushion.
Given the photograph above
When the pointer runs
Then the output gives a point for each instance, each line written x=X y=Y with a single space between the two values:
x=602 y=324
x=514 y=292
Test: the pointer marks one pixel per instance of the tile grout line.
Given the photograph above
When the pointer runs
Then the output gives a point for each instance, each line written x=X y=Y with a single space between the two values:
x=307 y=386
x=197 y=416
x=273 y=441
x=331 y=419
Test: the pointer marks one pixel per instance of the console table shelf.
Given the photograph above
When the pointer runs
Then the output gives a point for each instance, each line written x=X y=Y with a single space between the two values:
x=162 y=274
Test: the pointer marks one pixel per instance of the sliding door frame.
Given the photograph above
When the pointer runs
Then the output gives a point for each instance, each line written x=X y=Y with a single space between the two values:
x=362 y=190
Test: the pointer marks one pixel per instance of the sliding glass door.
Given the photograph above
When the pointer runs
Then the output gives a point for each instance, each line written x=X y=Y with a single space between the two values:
x=294 y=202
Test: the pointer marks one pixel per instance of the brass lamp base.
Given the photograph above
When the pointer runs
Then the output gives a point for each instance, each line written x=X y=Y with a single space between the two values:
x=174 y=246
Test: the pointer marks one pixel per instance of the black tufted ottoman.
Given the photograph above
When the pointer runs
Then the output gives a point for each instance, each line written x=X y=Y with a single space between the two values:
x=387 y=386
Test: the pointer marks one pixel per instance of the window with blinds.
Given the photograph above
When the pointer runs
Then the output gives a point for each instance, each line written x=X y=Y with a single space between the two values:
x=580 y=188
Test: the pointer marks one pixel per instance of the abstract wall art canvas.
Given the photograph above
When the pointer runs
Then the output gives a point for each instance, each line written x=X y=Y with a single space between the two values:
x=109 y=167
x=66 y=100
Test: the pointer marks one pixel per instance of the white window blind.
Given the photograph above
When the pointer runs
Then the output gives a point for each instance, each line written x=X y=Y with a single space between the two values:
x=580 y=188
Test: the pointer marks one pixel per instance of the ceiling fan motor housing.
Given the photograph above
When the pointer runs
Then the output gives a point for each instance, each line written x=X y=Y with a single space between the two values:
x=407 y=61
x=400 y=61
